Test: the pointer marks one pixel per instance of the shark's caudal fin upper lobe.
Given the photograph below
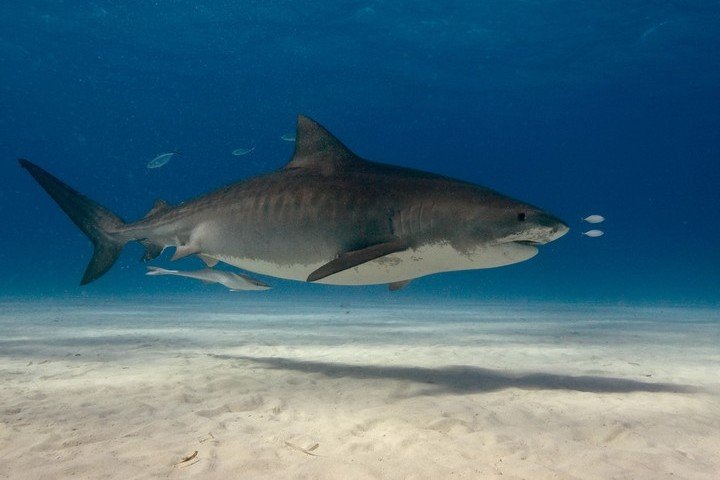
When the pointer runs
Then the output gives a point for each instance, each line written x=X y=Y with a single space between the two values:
x=97 y=222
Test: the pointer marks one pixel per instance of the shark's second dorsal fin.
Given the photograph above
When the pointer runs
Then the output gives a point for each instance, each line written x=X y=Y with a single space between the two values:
x=160 y=206
x=318 y=149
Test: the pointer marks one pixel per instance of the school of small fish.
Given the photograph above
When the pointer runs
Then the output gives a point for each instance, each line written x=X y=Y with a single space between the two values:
x=163 y=158
x=593 y=219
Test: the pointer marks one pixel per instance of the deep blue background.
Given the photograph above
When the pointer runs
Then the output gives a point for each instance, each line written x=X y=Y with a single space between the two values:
x=580 y=107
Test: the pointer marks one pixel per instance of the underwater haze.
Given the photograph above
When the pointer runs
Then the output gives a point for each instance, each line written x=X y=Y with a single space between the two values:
x=596 y=359
x=578 y=107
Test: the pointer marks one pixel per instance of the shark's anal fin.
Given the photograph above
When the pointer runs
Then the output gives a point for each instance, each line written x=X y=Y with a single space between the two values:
x=152 y=251
x=209 y=261
x=357 y=257
x=182 y=251
x=395 y=286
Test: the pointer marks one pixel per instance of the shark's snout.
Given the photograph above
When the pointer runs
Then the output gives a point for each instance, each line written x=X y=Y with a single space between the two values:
x=551 y=228
x=538 y=228
x=560 y=230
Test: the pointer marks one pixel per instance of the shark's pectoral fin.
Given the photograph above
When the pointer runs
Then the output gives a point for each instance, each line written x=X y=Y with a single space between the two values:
x=209 y=261
x=152 y=250
x=395 y=286
x=357 y=257
x=182 y=251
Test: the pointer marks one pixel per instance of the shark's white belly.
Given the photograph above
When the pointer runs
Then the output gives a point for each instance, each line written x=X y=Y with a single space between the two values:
x=406 y=265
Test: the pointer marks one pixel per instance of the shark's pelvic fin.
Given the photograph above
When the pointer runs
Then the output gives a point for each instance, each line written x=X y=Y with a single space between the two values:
x=357 y=257
x=182 y=251
x=319 y=150
x=209 y=261
x=395 y=286
x=101 y=226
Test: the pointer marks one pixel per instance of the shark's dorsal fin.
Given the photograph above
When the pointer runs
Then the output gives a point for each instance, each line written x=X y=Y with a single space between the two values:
x=160 y=206
x=318 y=149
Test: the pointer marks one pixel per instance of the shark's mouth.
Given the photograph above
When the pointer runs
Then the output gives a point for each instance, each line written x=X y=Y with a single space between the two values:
x=531 y=243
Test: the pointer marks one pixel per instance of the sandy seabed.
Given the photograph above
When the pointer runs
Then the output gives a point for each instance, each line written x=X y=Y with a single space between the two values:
x=267 y=392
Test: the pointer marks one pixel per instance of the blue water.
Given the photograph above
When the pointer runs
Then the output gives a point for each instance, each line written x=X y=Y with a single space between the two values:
x=579 y=107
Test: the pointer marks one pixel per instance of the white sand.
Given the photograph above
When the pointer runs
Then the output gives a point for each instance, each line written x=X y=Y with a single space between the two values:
x=128 y=391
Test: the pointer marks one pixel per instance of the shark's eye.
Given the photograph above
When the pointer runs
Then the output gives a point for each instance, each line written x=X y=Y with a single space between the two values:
x=521 y=216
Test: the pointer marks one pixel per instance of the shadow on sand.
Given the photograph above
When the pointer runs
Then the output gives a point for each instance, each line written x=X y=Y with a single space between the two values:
x=466 y=379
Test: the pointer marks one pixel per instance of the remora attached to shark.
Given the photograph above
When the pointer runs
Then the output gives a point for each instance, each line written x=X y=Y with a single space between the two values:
x=234 y=281
x=328 y=216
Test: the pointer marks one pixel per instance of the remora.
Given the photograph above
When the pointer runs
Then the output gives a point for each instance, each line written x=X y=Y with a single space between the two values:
x=328 y=216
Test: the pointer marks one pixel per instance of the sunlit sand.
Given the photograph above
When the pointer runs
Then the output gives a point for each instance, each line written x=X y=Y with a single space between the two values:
x=239 y=390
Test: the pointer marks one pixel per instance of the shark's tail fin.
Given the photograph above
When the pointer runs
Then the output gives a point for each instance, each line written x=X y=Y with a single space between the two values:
x=96 y=221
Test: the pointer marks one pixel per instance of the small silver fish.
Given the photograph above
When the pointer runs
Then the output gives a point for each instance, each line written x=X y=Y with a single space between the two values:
x=238 y=152
x=161 y=160
x=594 y=233
x=288 y=137
x=652 y=30
x=234 y=281
x=594 y=219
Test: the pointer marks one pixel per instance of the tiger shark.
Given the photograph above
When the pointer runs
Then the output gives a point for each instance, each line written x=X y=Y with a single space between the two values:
x=328 y=216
